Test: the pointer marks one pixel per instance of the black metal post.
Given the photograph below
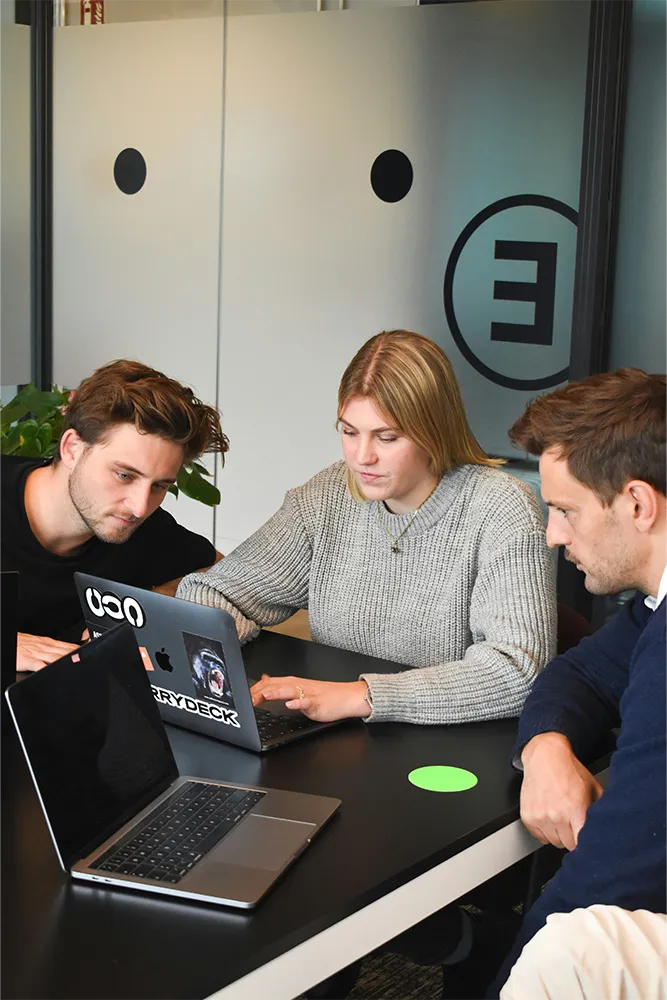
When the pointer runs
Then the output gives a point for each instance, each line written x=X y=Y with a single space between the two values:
x=22 y=11
x=599 y=195
x=599 y=192
x=41 y=190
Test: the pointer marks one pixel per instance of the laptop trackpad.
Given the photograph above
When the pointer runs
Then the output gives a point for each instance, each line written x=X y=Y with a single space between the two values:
x=264 y=842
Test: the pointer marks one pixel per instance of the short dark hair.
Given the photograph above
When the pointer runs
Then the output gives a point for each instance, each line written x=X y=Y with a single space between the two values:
x=610 y=428
x=128 y=392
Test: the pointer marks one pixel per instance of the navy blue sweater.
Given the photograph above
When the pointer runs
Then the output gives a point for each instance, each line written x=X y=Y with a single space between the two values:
x=616 y=676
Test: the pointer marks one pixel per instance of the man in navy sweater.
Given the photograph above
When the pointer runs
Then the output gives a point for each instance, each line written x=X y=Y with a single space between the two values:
x=601 y=444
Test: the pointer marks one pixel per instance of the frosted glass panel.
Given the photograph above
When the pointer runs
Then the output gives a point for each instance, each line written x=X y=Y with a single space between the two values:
x=136 y=275
x=15 y=196
x=640 y=307
x=119 y=11
x=486 y=102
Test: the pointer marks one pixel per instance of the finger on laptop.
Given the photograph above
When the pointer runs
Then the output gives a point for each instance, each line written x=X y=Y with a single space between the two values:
x=34 y=651
x=276 y=689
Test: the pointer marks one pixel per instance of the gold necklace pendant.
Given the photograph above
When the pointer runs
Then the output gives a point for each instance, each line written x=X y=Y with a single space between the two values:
x=394 y=541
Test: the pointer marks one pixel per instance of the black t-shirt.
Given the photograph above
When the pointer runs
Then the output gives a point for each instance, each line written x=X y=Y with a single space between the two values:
x=158 y=551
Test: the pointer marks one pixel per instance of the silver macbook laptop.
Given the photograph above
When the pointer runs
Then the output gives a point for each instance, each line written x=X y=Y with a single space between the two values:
x=117 y=809
x=193 y=657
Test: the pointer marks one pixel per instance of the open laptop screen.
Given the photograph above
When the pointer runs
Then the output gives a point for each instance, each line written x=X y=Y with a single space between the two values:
x=93 y=736
x=9 y=613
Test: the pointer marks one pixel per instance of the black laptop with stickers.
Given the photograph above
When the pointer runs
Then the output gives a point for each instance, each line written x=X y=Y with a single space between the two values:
x=194 y=662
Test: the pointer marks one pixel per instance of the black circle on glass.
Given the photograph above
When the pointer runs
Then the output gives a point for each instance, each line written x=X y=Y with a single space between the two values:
x=391 y=175
x=514 y=201
x=129 y=171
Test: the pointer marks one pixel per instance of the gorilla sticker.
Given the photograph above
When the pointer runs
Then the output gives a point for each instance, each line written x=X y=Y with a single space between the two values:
x=208 y=669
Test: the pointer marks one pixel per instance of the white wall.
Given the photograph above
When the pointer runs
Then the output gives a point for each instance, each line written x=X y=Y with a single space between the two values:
x=7 y=12
x=14 y=196
x=487 y=101
x=264 y=313
x=137 y=276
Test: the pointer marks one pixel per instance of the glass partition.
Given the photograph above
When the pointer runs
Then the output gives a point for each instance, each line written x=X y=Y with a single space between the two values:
x=14 y=200
x=95 y=13
x=306 y=181
x=640 y=307
x=412 y=167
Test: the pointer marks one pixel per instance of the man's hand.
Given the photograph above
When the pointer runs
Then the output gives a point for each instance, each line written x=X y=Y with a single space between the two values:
x=323 y=701
x=34 y=651
x=556 y=792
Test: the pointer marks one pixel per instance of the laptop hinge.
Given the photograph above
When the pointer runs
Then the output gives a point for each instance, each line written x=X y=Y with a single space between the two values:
x=118 y=824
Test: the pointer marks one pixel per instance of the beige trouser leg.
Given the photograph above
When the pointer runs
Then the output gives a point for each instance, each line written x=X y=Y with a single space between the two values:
x=598 y=953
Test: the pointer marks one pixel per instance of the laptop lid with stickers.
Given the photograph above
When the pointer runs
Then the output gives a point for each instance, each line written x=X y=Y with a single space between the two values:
x=191 y=654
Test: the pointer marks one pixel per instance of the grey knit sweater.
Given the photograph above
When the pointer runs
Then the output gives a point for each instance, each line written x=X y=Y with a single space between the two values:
x=469 y=599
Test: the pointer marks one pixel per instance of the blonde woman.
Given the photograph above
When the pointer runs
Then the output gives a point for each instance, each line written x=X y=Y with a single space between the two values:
x=416 y=549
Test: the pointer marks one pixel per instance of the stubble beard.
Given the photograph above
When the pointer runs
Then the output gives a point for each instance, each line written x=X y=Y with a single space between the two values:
x=113 y=535
x=611 y=574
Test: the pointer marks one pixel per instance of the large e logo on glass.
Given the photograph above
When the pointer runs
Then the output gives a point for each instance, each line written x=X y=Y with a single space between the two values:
x=514 y=294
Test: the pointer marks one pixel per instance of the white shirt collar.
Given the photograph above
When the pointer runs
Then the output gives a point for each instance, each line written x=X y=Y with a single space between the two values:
x=653 y=602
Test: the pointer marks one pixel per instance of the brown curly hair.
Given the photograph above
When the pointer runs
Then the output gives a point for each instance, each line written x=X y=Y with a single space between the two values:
x=129 y=392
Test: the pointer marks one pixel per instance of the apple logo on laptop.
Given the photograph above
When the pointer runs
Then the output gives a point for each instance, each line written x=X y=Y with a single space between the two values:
x=163 y=660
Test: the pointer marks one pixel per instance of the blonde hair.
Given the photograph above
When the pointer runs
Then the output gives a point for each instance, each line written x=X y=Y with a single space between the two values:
x=411 y=382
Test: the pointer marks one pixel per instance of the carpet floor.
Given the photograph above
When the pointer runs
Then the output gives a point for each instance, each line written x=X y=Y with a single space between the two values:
x=392 y=977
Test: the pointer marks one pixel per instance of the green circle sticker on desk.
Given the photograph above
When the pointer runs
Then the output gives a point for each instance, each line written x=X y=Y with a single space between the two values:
x=441 y=778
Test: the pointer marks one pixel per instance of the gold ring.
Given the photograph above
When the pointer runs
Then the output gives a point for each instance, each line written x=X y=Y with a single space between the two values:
x=301 y=694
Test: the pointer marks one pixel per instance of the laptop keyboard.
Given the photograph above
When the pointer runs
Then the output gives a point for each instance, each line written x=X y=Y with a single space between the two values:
x=270 y=726
x=172 y=839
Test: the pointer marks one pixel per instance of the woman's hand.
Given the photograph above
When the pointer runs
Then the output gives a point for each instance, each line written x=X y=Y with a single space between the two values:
x=322 y=701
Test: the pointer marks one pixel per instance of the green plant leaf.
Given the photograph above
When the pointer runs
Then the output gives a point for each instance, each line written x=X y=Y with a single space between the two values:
x=42 y=404
x=12 y=412
x=30 y=394
x=28 y=428
x=200 y=468
x=198 y=488
x=30 y=445
x=25 y=391
x=29 y=448
x=182 y=477
x=44 y=435
x=56 y=422
x=11 y=440
x=31 y=442
x=173 y=489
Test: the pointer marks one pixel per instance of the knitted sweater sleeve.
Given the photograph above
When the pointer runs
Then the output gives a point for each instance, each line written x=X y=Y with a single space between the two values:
x=265 y=579
x=513 y=628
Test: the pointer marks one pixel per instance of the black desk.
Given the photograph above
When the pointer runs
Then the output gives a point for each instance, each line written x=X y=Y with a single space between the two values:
x=390 y=857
